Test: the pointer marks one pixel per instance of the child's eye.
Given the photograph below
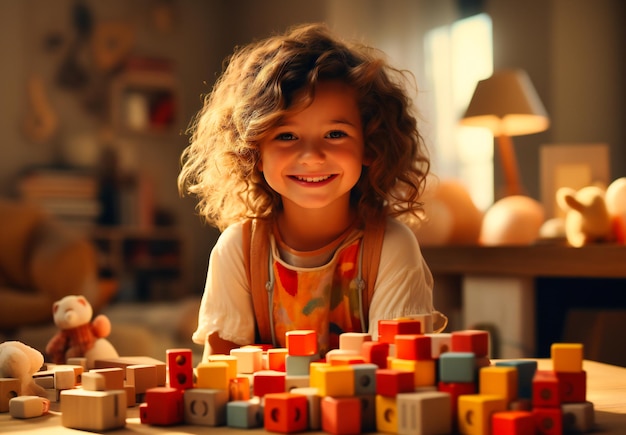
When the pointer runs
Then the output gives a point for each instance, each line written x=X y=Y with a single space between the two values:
x=285 y=136
x=336 y=134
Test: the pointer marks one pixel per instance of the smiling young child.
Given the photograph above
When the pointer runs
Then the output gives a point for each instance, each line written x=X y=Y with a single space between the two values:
x=307 y=144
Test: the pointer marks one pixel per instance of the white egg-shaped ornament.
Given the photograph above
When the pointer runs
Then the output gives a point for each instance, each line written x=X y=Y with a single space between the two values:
x=512 y=220
x=615 y=199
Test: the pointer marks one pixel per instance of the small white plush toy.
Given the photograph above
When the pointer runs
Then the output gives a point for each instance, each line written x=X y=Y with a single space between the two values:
x=20 y=361
x=587 y=219
x=78 y=335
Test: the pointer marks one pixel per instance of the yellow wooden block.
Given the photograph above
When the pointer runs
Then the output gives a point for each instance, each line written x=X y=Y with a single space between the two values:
x=334 y=381
x=231 y=360
x=9 y=388
x=386 y=414
x=500 y=381
x=424 y=370
x=567 y=357
x=213 y=375
x=474 y=412
x=314 y=373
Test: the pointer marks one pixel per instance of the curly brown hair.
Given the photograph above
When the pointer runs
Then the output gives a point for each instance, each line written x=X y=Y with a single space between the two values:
x=258 y=87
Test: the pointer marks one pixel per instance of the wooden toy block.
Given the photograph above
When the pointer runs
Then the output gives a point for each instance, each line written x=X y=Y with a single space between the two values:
x=93 y=410
x=239 y=388
x=244 y=414
x=578 y=417
x=142 y=377
x=424 y=413
x=498 y=380
x=413 y=347
x=301 y=342
x=368 y=412
x=163 y=407
x=353 y=341
x=231 y=360
x=113 y=377
x=513 y=423
x=179 y=368
x=424 y=371
x=426 y=321
x=314 y=405
x=456 y=389
x=276 y=359
x=364 y=379
x=28 y=406
x=45 y=381
x=78 y=371
x=292 y=382
x=471 y=340
x=386 y=414
x=439 y=343
x=337 y=381
x=65 y=378
x=475 y=410
x=53 y=395
x=546 y=393
x=93 y=381
x=213 y=375
x=285 y=413
x=78 y=361
x=375 y=352
x=9 y=388
x=268 y=381
x=567 y=357
x=205 y=407
x=334 y=353
x=341 y=415
x=572 y=386
x=457 y=367
x=249 y=359
x=299 y=365
x=123 y=362
x=388 y=329
x=525 y=372
x=391 y=382
x=548 y=421
x=131 y=396
x=344 y=360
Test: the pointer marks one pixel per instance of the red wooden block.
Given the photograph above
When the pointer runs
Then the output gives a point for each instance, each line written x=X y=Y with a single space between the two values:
x=388 y=329
x=455 y=389
x=341 y=415
x=546 y=392
x=413 y=347
x=390 y=382
x=276 y=359
x=471 y=340
x=164 y=406
x=572 y=386
x=267 y=382
x=285 y=413
x=375 y=352
x=548 y=421
x=180 y=368
x=513 y=423
x=301 y=342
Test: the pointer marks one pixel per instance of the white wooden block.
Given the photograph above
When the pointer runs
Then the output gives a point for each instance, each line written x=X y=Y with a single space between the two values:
x=298 y=365
x=93 y=381
x=78 y=361
x=336 y=352
x=249 y=359
x=64 y=378
x=28 y=406
x=353 y=341
x=93 y=410
x=45 y=382
x=205 y=407
x=440 y=343
x=578 y=417
x=292 y=382
x=424 y=413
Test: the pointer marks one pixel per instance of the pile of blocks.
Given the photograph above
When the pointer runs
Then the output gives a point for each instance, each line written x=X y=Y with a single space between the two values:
x=406 y=382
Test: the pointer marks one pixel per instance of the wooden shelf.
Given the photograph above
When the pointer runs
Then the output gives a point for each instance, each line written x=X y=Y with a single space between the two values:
x=543 y=260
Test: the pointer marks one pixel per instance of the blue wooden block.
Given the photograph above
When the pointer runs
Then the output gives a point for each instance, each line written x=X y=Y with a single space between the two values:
x=244 y=414
x=525 y=371
x=457 y=367
x=364 y=379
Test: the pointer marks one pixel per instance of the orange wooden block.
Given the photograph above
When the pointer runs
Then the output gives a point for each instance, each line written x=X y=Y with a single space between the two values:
x=239 y=388
x=475 y=410
x=301 y=342
x=213 y=374
x=471 y=340
x=113 y=377
x=413 y=347
x=498 y=380
x=388 y=329
x=567 y=357
x=276 y=359
x=375 y=352
x=341 y=415
x=513 y=423
x=335 y=381
x=344 y=360
x=285 y=413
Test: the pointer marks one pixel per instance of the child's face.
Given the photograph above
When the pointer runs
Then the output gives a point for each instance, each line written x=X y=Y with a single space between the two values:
x=314 y=157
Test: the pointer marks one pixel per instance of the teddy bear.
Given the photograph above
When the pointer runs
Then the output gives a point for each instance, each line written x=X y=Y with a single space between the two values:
x=78 y=335
x=587 y=219
x=20 y=361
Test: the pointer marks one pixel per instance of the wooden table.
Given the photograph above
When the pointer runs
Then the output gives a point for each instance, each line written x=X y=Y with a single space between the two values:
x=495 y=285
x=606 y=389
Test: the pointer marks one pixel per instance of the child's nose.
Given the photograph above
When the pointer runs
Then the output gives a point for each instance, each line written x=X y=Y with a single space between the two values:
x=312 y=152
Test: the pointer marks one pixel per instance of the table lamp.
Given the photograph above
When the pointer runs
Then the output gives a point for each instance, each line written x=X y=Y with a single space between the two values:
x=507 y=104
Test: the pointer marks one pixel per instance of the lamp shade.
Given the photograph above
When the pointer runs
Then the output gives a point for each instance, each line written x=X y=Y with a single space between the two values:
x=507 y=104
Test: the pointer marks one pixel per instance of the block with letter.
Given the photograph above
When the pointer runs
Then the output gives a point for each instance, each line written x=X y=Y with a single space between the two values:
x=93 y=410
x=341 y=415
x=205 y=407
x=285 y=413
x=179 y=368
x=475 y=413
x=424 y=413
